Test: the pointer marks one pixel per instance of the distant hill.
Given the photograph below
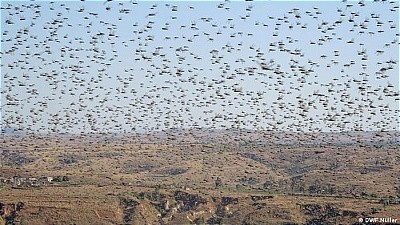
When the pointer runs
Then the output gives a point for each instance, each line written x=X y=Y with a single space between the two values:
x=14 y=131
x=238 y=137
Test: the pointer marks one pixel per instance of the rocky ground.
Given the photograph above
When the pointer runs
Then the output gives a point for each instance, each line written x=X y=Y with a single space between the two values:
x=122 y=180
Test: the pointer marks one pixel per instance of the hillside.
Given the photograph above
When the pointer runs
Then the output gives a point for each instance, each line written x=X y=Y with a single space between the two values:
x=149 y=178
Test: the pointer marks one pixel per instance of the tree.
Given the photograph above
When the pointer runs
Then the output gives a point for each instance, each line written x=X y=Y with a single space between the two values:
x=312 y=189
x=398 y=190
x=199 y=221
x=330 y=189
x=218 y=182
x=297 y=184
x=268 y=185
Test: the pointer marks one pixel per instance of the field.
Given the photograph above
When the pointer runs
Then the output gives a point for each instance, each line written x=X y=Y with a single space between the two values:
x=172 y=178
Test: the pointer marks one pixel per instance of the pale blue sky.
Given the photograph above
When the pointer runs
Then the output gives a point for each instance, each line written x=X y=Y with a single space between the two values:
x=132 y=93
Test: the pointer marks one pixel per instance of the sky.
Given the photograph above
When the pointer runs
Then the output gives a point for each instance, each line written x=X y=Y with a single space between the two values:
x=97 y=66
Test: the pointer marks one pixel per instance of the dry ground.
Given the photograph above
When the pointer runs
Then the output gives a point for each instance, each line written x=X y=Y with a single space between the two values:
x=103 y=171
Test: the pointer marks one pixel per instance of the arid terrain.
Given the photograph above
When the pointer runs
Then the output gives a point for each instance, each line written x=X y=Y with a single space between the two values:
x=199 y=112
x=200 y=177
